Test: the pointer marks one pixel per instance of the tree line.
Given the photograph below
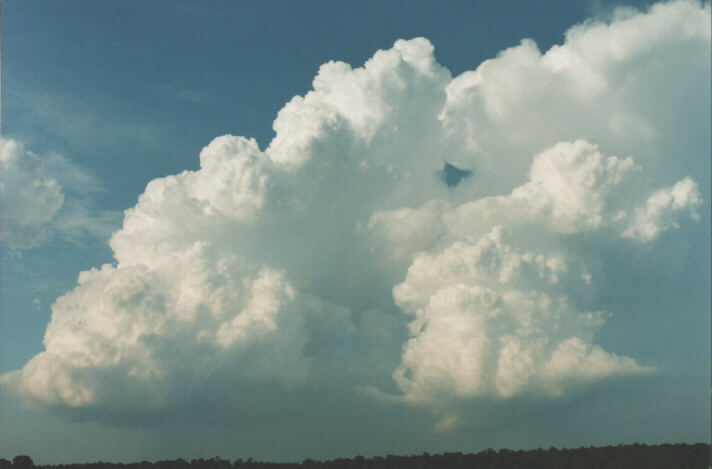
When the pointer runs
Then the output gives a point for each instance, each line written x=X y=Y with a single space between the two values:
x=666 y=456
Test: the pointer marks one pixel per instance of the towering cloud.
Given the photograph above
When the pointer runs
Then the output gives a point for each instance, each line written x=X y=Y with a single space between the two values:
x=284 y=268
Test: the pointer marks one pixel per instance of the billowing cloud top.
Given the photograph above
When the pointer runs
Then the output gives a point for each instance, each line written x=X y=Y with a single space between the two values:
x=342 y=245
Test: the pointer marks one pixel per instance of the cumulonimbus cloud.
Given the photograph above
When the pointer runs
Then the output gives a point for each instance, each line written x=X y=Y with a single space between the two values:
x=257 y=268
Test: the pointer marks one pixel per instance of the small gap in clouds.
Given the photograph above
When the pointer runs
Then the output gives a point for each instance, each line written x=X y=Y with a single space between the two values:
x=452 y=175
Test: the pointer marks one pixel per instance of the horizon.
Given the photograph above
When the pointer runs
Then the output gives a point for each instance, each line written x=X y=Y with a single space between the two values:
x=382 y=457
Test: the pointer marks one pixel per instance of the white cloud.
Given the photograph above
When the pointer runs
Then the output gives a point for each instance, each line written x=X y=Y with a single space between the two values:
x=174 y=212
x=357 y=104
x=45 y=195
x=30 y=197
x=490 y=320
x=146 y=325
x=572 y=188
x=662 y=209
x=276 y=269
x=622 y=85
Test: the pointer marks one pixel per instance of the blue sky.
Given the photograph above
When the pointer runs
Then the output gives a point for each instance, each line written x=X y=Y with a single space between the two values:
x=353 y=235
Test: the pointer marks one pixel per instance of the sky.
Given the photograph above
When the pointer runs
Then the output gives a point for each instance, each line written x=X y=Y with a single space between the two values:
x=288 y=230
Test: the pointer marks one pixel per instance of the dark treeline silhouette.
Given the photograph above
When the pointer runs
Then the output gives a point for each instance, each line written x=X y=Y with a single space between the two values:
x=668 y=456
